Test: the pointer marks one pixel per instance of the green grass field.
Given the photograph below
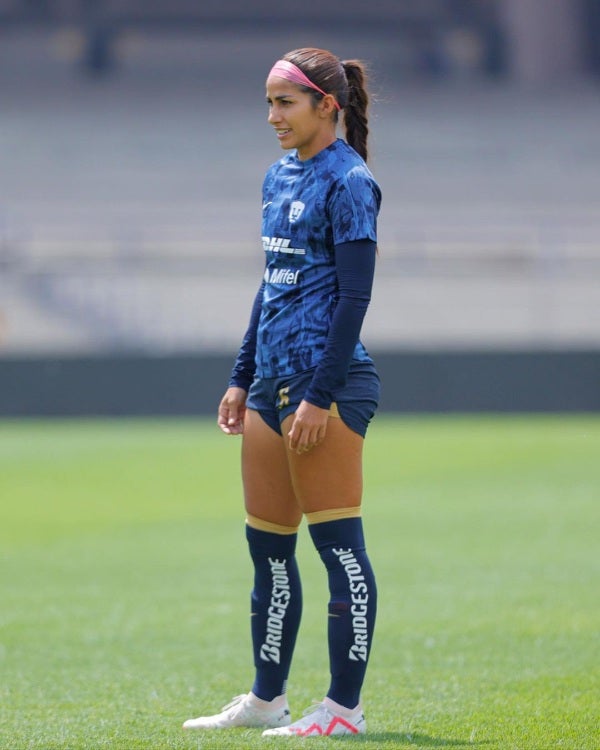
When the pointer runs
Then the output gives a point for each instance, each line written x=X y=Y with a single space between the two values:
x=124 y=585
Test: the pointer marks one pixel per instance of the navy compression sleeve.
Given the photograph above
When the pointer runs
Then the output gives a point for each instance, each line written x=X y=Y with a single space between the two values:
x=355 y=267
x=242 y=374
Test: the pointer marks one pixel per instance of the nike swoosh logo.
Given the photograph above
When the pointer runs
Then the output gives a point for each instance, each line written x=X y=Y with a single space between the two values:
x=265 y=205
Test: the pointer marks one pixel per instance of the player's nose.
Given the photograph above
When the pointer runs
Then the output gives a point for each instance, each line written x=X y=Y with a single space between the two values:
x=274 y=116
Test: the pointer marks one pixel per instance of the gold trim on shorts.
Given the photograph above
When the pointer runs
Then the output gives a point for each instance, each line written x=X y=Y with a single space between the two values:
x=333 y=410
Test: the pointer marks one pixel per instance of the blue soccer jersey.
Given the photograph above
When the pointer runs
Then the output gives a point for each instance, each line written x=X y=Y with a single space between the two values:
x=308 y=207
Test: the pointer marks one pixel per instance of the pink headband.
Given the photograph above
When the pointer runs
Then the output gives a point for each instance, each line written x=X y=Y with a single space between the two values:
x=291 y=72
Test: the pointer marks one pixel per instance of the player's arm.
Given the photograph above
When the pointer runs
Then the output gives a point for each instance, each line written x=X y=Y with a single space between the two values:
x=232 y=407
x=242 y=374
x=355 y=268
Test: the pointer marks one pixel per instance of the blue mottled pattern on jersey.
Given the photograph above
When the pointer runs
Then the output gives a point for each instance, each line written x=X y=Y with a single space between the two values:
x=308 y=207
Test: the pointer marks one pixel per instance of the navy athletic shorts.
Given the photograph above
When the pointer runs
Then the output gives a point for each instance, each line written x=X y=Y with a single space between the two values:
x=276 y=398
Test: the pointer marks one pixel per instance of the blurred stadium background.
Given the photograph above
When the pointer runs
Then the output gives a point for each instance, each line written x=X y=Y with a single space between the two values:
x=133 y=142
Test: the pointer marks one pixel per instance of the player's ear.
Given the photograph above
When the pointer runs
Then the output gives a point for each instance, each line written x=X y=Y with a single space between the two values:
x=327 y=105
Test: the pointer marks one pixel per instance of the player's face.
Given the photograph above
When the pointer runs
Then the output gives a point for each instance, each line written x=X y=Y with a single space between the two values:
x=297 y=122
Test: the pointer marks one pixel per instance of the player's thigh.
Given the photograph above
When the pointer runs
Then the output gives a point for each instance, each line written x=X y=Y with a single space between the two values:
x=330 y=475
x=268 y=490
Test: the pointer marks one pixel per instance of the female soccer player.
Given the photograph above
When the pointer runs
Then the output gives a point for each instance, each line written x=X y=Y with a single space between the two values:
x=303 y=391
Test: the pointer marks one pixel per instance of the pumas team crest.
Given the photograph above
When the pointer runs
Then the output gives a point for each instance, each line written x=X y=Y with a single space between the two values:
x=295 y=211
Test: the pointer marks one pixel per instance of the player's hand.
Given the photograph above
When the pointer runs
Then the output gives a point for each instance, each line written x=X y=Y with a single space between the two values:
x=232 y=410
x=308 y=428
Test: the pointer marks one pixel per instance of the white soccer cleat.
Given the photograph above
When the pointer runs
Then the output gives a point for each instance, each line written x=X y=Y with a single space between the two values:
x=246 y=711
x=322 y=721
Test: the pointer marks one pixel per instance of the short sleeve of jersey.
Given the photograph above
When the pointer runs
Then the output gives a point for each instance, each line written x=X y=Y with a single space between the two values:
x=353 y=205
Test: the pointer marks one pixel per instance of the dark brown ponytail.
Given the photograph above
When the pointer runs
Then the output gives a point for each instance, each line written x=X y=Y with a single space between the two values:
x=344 y=80
x=355 y=111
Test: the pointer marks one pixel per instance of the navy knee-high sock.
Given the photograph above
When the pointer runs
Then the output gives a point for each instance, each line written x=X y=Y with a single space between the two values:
x=352 y=605
x=276 y=608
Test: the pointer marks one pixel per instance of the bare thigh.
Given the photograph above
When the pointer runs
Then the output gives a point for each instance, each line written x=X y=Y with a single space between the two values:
x=330 y=475
x=268 y=490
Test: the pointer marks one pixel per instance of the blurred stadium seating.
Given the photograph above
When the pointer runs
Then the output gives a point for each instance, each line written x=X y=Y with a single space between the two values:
x=128 y=204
